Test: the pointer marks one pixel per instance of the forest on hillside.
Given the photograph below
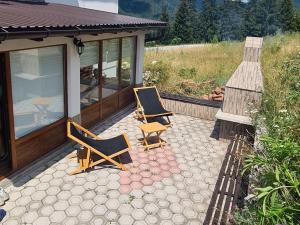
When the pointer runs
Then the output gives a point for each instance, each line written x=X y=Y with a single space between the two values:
x=194 y=21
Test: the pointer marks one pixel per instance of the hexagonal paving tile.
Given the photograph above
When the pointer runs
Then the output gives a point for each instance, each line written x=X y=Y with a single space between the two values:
x=99 y=210
x=112 y=204
x=138 y=203
x=85 y=216
x=125 y=220
x=165 y=214
x=125 y=209
x=29 y=217
x=42 y=220
x=111 y=216
x=172 y=185
x=139 y=214
x=57 y=216
x=61 y=205
x=73 y=210
x=75 y=200
x=46 y=210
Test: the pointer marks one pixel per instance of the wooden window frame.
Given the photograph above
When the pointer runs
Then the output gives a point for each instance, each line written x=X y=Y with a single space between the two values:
x=36 y=133
x=99 y=76
x=100 y=66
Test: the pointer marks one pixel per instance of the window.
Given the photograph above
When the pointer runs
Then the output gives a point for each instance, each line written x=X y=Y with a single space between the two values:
x=89 y=74
x=110 y=64
x=37 y=88
x=128 y=61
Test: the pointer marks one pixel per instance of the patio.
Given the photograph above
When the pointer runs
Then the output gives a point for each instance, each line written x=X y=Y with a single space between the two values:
x=172 y=185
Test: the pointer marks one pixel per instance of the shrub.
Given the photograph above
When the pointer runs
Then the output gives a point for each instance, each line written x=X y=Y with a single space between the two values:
x=156 y=72
x=188 y=73
x=176 y=41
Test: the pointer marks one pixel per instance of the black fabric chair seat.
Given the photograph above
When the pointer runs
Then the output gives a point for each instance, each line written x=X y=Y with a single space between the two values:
x=160 y=120
x=151 y=104
x=107 y=146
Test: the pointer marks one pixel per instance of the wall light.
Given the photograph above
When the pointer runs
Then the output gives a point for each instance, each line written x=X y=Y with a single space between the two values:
x=79 y=45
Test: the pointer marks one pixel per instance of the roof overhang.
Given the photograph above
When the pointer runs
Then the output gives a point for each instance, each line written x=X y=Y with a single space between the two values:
x=45 y=32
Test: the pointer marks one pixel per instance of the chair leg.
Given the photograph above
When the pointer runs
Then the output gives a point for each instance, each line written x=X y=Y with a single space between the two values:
x=121 y=164
x=82 y=157
x=72 y=155
x=76 y=171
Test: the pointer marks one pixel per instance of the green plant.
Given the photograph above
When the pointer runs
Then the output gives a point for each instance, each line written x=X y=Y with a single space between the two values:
x=276 y=169
x=188 y=73
x=176 y=41
x=156 y=72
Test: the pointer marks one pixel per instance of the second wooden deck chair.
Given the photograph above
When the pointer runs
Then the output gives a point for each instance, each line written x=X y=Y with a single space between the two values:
x=106 y=150
x=150 y=107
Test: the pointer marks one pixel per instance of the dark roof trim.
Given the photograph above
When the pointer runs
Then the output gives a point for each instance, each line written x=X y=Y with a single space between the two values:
x=44 y=32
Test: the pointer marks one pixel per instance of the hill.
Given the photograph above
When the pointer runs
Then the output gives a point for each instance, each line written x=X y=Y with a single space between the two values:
x=152 y=8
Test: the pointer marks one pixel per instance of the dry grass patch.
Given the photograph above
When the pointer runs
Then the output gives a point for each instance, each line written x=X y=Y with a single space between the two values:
x=214 y=63
x=207 y=66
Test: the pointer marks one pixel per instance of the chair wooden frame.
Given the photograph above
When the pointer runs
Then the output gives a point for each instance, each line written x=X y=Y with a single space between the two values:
x=140 y=110
x=85 y=158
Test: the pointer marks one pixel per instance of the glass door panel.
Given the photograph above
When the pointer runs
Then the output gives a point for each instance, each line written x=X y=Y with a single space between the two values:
x=89 y=74
x=110 y=67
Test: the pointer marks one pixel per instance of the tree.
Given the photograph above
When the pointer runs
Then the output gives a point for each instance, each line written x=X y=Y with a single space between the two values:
x=165 y=33
x=231 y=20
x=298 y=20
x=210 y=20
x=270 y=13
x=287 y=16
x=262 y=18
x=251 y=27
x=183 y=27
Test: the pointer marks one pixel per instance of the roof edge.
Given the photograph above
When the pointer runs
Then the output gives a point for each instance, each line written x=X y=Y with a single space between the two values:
x=45 y=32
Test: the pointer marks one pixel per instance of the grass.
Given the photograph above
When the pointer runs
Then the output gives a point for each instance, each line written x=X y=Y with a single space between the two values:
x=216 y=63
x=213 y=63
x=275 y=169
x=276 y=50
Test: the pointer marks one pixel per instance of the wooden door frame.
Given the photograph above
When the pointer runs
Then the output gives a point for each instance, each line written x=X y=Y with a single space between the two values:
x=5 y=126
x=10 y=113
x=13 y=140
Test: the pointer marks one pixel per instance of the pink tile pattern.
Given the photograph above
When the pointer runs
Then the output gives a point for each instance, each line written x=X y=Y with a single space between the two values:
x=148 y=167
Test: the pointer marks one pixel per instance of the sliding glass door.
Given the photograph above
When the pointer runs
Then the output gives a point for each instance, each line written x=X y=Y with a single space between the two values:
x=107 y=71
x=110 y=67
x=128 y=62
x=89 y=75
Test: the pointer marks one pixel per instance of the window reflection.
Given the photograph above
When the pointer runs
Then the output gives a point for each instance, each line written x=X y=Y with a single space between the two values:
x=89 y=74
x=110 y=67
x=38 y=88
x=128 y=62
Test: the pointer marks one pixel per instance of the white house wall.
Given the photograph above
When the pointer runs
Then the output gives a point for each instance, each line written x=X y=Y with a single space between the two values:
x=103 y=5
x=73 y=61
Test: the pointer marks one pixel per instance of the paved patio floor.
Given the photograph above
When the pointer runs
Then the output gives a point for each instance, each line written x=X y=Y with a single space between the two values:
x=172 y=185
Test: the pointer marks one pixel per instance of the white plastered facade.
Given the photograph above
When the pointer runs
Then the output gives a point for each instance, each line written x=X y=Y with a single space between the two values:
x=103 y=5
x=73 y=60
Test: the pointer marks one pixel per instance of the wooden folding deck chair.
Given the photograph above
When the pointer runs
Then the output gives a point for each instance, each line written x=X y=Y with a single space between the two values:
x=150 y=107
x=93 y=145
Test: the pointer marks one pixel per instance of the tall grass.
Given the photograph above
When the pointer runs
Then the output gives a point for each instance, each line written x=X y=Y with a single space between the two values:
x=217 y=62
x=276 y=50
x=276 y=168
x=213 y=63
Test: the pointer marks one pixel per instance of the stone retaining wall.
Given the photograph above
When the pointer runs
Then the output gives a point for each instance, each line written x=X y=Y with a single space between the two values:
x=191 y=107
